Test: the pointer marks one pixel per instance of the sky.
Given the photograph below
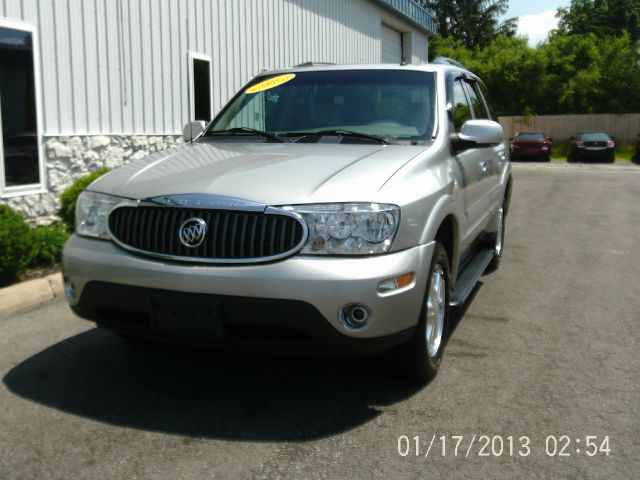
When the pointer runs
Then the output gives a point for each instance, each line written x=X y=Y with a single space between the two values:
x=536 y=18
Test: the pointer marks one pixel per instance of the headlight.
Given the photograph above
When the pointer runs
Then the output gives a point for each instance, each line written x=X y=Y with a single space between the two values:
x=349 y=228
x=92 y=214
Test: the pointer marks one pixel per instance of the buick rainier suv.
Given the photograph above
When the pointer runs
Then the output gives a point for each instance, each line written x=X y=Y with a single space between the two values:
x=325 y=209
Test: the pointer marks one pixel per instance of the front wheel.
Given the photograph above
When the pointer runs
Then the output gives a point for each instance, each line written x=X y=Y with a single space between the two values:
x=420 y=358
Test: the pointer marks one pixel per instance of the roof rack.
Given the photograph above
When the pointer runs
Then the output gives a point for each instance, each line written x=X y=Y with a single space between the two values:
x=448 y=61
x=312 y=64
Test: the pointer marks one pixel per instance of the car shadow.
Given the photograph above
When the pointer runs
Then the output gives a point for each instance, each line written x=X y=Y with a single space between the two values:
x=203 y=393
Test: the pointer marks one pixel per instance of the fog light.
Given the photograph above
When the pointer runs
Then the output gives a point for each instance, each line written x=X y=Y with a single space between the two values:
x=69 y=289
x=355 y=316
x=396 y=283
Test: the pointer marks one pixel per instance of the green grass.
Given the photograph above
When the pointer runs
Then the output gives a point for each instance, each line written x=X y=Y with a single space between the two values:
x=624 y=156
x=561 y=148
x=621 y=157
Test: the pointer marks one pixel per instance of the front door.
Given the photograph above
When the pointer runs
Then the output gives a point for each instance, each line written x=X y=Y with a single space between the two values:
x=494 y=157
x=473 y=165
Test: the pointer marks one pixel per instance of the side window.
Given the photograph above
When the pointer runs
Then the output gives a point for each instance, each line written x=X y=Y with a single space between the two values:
x=461 y=107
x=479 y=109
x=484 y=93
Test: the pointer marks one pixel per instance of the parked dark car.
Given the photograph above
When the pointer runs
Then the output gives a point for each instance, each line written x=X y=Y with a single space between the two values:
x=531 y=146
x=636 y=156
x=593 y=146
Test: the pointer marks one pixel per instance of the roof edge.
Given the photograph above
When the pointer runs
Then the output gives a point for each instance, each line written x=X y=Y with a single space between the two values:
x=411 y=11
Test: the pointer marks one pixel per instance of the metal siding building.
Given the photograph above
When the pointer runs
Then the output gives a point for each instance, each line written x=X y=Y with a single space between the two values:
x=123 y=69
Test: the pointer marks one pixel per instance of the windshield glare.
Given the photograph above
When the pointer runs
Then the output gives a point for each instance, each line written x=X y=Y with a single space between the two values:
x=391 y=104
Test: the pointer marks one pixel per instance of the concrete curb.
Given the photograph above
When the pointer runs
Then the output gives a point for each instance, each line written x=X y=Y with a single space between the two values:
x=28 y=294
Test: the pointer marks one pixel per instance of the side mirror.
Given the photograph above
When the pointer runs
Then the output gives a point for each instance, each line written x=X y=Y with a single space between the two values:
x=550 y=140
x=613 y=138
x=481 y=133
x=511 y=139
x=192 y=130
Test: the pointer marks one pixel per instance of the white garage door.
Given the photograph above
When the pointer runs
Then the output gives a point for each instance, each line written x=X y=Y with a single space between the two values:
x=391 y=41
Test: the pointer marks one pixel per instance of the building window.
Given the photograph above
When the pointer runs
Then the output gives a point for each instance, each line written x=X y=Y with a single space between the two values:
x=20 y=159
x=201 y=98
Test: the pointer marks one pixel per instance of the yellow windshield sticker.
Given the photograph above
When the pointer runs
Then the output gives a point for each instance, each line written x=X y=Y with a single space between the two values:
x=271 y=83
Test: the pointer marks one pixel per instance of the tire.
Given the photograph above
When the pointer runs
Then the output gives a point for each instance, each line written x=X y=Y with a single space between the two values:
x=419 y=359
x=496 y=241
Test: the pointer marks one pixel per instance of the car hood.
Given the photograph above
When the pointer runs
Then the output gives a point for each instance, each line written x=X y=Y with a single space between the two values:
x=269 y=173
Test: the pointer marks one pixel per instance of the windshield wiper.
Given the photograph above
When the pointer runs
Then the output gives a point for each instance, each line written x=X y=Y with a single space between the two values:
x=244 y=131
x=341 y=133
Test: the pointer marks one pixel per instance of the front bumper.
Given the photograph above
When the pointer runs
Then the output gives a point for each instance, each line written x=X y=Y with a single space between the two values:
x=310 y=290
x=594 y=152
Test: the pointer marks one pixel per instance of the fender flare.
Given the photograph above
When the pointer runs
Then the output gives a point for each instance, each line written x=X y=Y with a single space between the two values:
x=444 y=207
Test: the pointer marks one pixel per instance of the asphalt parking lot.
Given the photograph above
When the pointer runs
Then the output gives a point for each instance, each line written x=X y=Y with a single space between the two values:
x=549 y=347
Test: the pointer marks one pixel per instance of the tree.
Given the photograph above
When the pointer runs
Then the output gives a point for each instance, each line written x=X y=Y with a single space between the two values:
x=512 y=71
x=567 y=74
x=572 y=81
x=590 y=74
x=601 y=17
x=474 y=22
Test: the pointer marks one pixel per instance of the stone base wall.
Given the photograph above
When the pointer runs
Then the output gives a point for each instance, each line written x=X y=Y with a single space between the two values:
x=68 y=158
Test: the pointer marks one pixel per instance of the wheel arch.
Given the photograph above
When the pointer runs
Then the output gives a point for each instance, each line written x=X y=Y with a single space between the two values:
x=443 y=225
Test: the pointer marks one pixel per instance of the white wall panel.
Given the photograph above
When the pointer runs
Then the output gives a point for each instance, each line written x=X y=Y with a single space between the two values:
x=121 y=66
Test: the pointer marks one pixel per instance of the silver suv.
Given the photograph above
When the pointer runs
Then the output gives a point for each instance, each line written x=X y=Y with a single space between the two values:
x=329 y=209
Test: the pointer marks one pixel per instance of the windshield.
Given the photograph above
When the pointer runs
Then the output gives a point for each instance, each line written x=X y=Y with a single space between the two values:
x=390 y=104
x=595 y=137
x=530 y=136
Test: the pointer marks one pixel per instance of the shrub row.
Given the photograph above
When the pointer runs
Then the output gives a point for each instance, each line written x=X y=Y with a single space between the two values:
x=22 y=247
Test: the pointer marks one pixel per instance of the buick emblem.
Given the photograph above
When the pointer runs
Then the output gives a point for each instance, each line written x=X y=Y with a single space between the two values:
x=192 y=232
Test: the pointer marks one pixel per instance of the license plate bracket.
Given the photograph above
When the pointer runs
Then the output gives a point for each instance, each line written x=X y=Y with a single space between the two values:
x=181 y=315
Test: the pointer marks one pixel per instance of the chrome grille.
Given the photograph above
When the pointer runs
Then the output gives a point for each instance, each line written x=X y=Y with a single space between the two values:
x=232 y=236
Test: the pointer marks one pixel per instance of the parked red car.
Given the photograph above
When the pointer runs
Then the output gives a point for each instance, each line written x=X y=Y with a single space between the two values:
x=531 y=146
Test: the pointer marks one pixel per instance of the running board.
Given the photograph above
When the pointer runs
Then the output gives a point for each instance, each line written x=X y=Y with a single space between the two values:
x=467 y=281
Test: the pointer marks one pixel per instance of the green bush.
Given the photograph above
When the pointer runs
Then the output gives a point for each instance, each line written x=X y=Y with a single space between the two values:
x=14 y=245
x=46 y=244
x=561 y=148
x=67 y=210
